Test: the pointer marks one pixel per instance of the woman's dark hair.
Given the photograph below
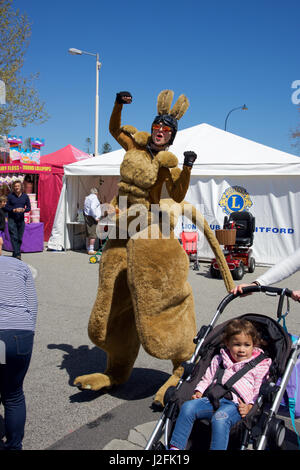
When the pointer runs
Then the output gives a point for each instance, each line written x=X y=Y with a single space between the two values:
x=240 y=325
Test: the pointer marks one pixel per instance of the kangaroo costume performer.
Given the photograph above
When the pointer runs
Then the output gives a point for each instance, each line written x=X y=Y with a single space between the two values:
x=143 y=295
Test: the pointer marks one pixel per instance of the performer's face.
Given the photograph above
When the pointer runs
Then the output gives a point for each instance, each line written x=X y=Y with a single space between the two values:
x=161 y=134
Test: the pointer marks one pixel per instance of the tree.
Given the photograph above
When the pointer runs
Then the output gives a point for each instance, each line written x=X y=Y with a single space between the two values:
x=106 y=148
x=22 y=104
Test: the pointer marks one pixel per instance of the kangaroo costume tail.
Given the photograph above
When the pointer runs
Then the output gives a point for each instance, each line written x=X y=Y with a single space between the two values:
x=188 y=210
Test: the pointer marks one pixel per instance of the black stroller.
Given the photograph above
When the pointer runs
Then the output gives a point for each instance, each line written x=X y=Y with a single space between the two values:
x=261 y=428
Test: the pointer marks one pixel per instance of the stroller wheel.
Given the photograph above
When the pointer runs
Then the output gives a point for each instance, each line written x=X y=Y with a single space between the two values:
x=159 y=447
x=238 y=272
x=251 y=267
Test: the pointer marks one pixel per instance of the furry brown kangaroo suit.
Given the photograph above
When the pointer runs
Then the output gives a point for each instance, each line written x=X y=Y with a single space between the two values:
x=143 y=295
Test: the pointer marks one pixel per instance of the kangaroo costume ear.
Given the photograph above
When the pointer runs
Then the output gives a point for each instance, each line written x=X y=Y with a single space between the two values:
x=170 y=118
x=180 y=107
x=164 y=101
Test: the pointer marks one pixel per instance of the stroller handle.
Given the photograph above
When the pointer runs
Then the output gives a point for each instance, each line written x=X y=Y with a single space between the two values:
x=248 y=290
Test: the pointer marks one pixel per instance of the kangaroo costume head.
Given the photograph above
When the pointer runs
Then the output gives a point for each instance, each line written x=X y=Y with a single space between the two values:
x=169 y=117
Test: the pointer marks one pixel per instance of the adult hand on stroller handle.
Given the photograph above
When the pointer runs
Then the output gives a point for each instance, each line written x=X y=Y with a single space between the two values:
x=246 y=289
x=269 y=289
x=249 y=289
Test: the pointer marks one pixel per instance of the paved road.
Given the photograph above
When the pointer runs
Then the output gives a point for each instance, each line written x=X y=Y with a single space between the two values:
x=59 y=416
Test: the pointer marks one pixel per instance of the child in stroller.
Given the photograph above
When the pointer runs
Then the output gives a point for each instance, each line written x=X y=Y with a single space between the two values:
x=225 y=406
x=261 y=428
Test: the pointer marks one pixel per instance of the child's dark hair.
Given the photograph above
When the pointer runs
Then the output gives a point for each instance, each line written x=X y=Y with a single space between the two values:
x=241 y=325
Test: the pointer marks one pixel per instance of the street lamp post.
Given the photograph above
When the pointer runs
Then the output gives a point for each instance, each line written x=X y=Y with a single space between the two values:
x=98 y=66
x=244 y=107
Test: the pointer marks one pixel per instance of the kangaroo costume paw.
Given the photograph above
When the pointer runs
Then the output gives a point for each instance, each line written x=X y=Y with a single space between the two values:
x=159 y=397
x=94 y=381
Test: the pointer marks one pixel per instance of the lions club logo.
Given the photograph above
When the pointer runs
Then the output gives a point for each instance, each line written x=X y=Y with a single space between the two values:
x=235 y=199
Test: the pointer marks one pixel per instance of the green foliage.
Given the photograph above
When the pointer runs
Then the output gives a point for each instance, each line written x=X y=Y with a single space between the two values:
x=23 y=105
x=106 y=148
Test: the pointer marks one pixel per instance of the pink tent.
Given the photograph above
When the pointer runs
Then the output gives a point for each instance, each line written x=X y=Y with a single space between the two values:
x=50 y=184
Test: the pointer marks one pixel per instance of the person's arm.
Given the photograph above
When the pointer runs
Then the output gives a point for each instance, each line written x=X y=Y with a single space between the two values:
x=277 y=273
x=95 y=208
x=281 y=270
x=178 y=184
x=9 y=205
x=240 y=288
x=296 y=295
x=244 y=408
x=2 y=221
x=31 y=297
x=209 y=375
x=27 y=203
x=115 y=120
x=197 y=395
x=260 y=372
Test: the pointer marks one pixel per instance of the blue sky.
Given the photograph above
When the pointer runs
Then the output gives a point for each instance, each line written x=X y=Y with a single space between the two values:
x=221 y=54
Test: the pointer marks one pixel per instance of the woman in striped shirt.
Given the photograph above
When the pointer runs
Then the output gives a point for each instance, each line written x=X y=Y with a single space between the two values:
x=241 y=341
x=18 y=311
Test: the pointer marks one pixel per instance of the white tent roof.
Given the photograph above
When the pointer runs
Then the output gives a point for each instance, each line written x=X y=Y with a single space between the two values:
x=219 y=153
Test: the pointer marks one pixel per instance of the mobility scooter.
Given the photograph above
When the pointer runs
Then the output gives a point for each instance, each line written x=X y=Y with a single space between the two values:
x=237 y=237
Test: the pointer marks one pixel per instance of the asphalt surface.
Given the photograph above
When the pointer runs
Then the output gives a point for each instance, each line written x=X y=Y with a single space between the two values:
x=61 y=417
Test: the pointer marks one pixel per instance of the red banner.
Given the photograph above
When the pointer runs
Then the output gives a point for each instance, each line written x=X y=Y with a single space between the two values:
x=24 y=168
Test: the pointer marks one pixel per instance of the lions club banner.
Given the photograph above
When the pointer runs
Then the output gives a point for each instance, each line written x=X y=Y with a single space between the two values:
x=273 y=201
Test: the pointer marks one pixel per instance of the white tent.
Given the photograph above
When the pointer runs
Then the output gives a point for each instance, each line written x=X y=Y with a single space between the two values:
x=231 y=173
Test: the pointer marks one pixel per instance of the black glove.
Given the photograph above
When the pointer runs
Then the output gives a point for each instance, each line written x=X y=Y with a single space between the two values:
x=121 y=95
x=189 y=158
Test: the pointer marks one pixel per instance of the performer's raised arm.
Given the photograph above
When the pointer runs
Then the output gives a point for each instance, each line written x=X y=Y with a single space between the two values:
x=179 y=185
x=124 y=139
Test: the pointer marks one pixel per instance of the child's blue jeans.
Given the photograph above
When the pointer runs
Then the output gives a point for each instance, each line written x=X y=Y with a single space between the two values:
x=222 y=421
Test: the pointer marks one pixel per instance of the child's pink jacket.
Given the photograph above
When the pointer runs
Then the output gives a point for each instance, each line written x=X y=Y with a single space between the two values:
x=248 y=386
